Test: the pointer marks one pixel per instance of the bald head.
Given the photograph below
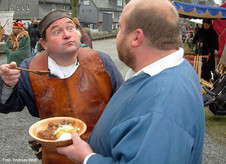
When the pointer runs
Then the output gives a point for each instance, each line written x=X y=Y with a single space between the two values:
x=158 y=19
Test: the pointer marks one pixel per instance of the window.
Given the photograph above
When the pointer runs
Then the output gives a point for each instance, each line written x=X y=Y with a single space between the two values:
x=11 y=8
x=119 y=2
x=70 y=12
x=54 y=7
x=120 y=13
x=113 y=15
x=86 y=2
x=17 y=8
x=27 y=7
x=117 y=26
x=91 y=26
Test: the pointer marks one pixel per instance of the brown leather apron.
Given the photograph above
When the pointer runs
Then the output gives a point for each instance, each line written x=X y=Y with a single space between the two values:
x=83 y=95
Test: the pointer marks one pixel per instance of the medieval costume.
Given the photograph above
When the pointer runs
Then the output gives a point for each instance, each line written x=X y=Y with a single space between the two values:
x=84 y=94
x=145 y=113
x=17 y=48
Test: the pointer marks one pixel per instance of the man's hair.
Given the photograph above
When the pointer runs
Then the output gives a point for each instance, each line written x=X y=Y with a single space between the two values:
x=207 y=20
x=160 y=26
x=18 y=20
x=32 y=19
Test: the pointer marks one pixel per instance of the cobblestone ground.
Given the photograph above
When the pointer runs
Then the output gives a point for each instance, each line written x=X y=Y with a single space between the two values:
x=14 y=126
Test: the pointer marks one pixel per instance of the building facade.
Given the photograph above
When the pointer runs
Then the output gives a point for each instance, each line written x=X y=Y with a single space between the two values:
x=90 y=11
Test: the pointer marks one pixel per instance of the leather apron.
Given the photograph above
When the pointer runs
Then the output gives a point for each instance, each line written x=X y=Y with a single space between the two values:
x=83 y=95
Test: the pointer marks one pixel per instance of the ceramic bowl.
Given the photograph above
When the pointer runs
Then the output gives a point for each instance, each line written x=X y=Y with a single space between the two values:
x=43 y=125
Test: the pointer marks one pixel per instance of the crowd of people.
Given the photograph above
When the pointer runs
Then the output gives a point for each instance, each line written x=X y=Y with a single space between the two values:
x=155 y=116
x=204 y=42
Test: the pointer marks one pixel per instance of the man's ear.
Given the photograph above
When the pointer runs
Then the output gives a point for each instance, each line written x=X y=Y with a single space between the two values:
x=43 y=43
x=138 y=36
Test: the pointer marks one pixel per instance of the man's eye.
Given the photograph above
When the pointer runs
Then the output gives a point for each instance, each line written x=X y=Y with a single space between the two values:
x=70 y=28
x=56 y=32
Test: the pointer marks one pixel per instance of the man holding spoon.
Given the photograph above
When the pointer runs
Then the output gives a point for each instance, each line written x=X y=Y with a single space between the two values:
x=80 y=83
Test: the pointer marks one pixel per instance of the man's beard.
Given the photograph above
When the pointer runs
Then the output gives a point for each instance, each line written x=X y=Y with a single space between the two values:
x=125 y=55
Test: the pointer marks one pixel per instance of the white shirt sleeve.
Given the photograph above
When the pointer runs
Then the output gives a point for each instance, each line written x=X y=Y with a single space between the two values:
x=87 y=157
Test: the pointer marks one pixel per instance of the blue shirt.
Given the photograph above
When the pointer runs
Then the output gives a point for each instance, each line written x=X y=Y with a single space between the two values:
x=153 y=119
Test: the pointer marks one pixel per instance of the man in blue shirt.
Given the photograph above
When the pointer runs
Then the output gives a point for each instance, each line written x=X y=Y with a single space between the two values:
x=157 y=115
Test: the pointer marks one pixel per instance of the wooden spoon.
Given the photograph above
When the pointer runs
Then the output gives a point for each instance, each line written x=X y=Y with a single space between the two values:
x=42 y=73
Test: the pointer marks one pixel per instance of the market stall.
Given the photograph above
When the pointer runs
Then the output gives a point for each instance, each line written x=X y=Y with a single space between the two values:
x=214 y=94
x=188 y=10
x=218 y=14
x=195 y=11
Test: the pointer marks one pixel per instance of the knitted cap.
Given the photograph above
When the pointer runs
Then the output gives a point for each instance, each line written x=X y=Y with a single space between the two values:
x=18 y=25
x=50 y=18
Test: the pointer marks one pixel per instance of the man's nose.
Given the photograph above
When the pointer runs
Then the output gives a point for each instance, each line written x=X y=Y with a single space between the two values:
x=67 y=33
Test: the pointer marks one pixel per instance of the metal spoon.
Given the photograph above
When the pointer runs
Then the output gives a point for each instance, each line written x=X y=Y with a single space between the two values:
x=42 y=73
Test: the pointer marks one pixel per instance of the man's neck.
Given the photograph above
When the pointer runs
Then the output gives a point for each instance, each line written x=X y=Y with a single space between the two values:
x=150 y=57
x=64 y=62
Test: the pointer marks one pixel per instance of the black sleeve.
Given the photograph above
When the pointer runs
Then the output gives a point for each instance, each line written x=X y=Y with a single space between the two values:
x=197 y=36
x=112 y=70
x=215 y=41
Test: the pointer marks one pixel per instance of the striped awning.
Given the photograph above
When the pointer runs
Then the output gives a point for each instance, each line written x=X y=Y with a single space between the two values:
x=189 y=10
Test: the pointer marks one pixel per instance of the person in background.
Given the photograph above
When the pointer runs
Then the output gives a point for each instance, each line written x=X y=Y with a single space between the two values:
x=85 y=39
x=2 y=32
x=19 y=20
x=34 y=35
x=182 y=32
x=190 y=27
x=17 y=46
x=80 y=83
x=39 y=48
x=206 y=40
x=197 y=28
x=157 y=115
x=87 y=30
